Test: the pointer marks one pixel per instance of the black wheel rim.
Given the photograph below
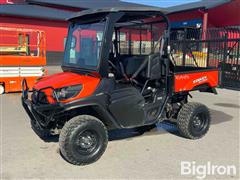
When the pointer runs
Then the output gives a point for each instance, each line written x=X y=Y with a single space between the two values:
x=200 y=122
x=87 y=142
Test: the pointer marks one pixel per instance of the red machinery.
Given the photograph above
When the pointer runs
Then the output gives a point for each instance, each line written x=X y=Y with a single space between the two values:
x=22 y=55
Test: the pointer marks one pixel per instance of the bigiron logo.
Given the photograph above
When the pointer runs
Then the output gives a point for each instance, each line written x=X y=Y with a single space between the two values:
x=200 y=171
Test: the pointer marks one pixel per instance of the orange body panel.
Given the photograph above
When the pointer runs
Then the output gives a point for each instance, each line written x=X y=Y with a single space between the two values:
x=187 y=81
x=64 y=79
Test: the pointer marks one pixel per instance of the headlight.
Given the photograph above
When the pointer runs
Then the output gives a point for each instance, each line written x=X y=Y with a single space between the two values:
x=67 y=92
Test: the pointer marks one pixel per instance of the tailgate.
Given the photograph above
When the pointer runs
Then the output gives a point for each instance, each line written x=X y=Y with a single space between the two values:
x=188 y=81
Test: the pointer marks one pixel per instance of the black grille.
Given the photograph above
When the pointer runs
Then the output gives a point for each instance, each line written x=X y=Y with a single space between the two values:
x=39 y=97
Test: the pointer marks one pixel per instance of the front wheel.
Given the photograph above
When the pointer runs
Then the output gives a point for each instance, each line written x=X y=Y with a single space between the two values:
x=193 y=120
x=83 y=140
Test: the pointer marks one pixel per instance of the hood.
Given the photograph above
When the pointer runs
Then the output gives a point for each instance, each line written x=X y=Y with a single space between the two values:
x=65 y=79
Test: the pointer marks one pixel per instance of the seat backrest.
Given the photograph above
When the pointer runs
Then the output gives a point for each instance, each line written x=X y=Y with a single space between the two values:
x=147 y=67
x=132 y=63
x=154 y=66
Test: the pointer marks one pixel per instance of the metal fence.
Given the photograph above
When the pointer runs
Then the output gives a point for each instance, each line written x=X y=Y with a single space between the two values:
x=216 y=47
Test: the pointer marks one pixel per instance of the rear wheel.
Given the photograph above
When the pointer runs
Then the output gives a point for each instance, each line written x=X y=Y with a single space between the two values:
x=1 y=89
x=193 y=120
x=83 y=140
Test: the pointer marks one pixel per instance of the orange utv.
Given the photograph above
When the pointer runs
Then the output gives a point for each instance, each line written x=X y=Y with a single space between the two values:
x=117 y=73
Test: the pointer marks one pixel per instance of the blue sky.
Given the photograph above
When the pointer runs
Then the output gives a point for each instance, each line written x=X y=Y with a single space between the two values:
x=161 y=3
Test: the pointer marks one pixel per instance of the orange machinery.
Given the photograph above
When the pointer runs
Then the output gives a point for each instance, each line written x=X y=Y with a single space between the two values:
x=22 y=55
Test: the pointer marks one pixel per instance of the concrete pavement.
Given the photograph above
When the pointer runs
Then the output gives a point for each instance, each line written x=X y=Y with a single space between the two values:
x=155 y=155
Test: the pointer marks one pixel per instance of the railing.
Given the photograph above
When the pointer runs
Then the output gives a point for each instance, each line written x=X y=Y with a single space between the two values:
x=190 y=48
x=22 y=42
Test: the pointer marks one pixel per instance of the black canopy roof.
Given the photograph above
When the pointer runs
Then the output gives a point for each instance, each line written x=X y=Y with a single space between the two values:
x=145 y=12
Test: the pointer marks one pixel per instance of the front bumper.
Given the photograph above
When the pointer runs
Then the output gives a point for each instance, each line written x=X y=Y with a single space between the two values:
x=41 y=113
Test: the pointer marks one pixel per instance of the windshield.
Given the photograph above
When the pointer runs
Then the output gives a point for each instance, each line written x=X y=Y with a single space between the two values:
x=84 y=45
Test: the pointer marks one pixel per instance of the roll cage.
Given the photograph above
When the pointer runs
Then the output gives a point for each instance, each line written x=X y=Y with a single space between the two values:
x=116 y=18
